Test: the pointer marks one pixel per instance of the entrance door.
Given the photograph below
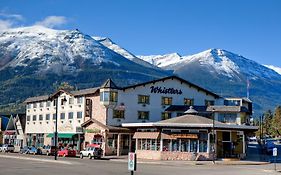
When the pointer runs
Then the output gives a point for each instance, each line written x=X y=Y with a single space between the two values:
x=226 y=146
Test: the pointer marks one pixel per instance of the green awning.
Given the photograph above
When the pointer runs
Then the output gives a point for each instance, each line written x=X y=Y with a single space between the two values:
x=62 y=135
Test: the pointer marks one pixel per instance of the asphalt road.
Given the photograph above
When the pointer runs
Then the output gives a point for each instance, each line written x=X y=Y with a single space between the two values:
x=15 y=164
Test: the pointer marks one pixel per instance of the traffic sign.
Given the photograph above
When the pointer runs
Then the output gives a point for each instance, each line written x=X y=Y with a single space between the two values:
x=274 y=151
x=132 y=162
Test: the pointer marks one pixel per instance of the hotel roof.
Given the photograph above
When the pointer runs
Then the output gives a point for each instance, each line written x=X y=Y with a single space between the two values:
x=191 y=121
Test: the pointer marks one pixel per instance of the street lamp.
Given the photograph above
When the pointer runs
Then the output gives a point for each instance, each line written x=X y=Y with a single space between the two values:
x=213 y=133
x=56 y=126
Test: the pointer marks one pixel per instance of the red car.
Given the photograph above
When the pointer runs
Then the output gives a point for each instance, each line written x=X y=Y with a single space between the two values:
x=67 y=153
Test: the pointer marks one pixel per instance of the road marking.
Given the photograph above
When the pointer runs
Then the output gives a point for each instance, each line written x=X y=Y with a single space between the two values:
x=37 y=159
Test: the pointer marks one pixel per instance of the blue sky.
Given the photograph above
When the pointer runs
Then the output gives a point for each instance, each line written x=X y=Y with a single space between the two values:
x=251 y=28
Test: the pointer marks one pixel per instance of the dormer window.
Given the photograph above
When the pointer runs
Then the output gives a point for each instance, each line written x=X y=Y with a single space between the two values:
x=108 y=93
x=109 y=96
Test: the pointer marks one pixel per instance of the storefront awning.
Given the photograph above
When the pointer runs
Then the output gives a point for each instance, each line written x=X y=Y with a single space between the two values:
x=146 y=135
x=62 y=135
x=9 y=132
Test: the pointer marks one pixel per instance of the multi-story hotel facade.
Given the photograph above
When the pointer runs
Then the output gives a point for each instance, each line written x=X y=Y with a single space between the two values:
x=102 y=111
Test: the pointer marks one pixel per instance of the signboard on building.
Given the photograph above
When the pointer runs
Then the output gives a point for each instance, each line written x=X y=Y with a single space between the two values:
x=165 y=90
x=132 y=161
x=185 y=136
x=274 y=152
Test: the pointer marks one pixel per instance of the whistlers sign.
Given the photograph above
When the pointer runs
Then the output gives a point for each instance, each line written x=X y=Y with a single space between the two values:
x=164 y=90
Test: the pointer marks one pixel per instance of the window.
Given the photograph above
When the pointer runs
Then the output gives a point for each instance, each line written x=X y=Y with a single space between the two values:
x=193 y=145
x=226 y=136
x=166 y=100
x=54 y=117
x=149 y=144
x=143 y=99
x=48 y=104
x=47 y=116
x=63 y=101
x=34 y=105
x=188 y=101
x=41 y=104
x=70 y=115
x=109 y=96
x=113 y=96
x=40 y=117
x=104 y=96
x=62 y=116
x=28 y=118
x=28 y=106
x=166 y=115
x=79 y=114
x=143 y=115
x=55 y=103
x=79 y=100
x=34 y=118
x=118 y=114
x=71 y=101
x=227 y=117
x=209 y=102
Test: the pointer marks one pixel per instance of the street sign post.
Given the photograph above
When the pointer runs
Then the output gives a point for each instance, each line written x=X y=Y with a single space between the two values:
x=274 y=153
x=132 y=162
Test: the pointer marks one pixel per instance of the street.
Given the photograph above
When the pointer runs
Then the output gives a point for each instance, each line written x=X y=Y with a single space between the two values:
x=16 y=164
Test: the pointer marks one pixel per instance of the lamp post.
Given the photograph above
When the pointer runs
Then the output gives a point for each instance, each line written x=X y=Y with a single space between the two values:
x=56 y=126
x=213 y=133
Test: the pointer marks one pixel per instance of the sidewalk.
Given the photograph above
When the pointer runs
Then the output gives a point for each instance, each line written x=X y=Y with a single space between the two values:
x=180 y=163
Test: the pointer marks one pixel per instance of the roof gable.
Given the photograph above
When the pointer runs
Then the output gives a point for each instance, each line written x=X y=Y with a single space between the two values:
x=171 y=78
x=109 y=84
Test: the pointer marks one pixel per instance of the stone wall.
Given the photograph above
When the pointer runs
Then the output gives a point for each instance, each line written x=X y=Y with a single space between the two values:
x=167 y=155
x=147 y=154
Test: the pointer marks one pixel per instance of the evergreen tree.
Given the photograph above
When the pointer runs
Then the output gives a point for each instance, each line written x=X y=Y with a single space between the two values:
x=66 y=86
x=276 y=122
x=267 y=121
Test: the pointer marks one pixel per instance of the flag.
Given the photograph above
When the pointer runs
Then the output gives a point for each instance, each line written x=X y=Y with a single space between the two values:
x=248 y=87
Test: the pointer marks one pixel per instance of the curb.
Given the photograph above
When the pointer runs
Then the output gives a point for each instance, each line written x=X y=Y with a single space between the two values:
x=37 y=159
x=194 y=163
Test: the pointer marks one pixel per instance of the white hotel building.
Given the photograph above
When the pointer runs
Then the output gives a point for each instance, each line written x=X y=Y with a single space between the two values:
x=127 y=118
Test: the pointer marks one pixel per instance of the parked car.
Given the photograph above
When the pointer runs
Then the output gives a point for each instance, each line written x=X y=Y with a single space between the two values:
x=7 y=148
x=91 y=152
x=67 y=152
x=24 y=150
x=1 y=147
x=34 y=150
x=48 y=150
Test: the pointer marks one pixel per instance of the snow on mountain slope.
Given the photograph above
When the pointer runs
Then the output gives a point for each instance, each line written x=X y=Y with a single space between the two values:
x=116 y=48
x=61 y=52
x=161 y=60
x=276 y=69
x=50 y=48
x=222 y=62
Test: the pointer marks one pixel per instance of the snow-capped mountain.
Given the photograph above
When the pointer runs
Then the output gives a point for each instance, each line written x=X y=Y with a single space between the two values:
x=276 y=69
x=225 y=63
x=116 y=48
x=162 y=60
x=227 y=73
x=33 y=60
